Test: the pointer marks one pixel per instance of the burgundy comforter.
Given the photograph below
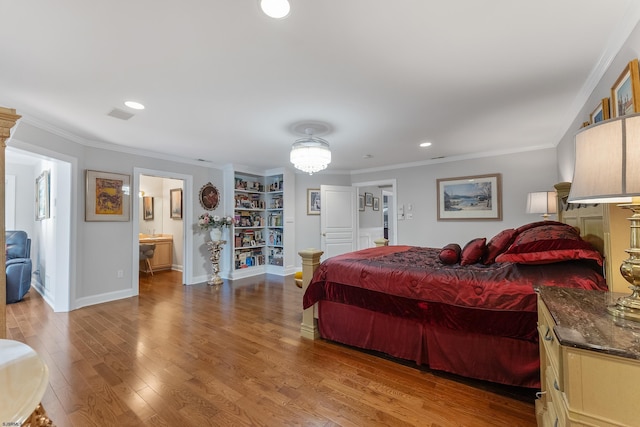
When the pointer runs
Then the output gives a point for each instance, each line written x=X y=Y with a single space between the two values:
x=405 y=282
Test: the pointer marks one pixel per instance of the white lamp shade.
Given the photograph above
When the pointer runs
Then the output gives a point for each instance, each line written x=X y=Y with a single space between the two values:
x=310 y=154
x=542 y=202
x=604 y=170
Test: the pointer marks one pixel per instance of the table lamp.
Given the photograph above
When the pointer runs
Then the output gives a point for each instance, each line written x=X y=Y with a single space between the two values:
x=542 y=202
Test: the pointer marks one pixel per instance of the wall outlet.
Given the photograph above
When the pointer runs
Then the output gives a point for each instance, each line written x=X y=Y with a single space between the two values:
x=120 y=274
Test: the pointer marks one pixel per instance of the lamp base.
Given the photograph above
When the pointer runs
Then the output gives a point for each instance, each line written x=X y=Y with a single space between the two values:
x=627 y=307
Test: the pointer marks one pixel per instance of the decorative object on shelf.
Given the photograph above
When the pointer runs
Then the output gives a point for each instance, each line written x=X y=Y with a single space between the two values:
x=209 y=196
x=42 y=196
x=542 y=202
x=470 y=198
x=107 y=196
x=310 y=154
x=313 y=201
x=605 y=172
x=625 y=93
x=215 y=249
x=175 y=202
x=147 y=208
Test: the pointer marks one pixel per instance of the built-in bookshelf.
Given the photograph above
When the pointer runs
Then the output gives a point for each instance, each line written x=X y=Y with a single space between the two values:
x=259 y=236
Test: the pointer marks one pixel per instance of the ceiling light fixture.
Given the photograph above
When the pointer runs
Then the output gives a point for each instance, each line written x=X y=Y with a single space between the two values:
x=276 y=9
x=310 y=154
x=135 y=105
x=425 y=144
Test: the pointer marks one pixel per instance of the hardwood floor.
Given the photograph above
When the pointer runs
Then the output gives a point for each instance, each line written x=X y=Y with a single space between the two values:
x=233 y=356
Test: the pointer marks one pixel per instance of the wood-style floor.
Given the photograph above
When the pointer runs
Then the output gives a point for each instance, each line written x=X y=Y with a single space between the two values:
x=233 y=356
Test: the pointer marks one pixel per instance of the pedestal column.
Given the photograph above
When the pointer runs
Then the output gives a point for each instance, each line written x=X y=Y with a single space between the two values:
x=310 y=261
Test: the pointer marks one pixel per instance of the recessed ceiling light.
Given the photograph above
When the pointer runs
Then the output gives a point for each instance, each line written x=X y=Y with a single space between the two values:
x=367 y=156
x=134 y=105
x=425 y=144
x=275 y=8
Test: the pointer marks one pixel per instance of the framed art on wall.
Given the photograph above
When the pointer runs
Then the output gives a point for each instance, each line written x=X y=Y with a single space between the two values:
x=175 y=203
x=361 y=202
x=601 y=112
x=625 y=93
x=42 y=196
x=376 y=203
x=107 y=196
x=313 y=201
x=368 y=199
x=209 y=196
x=147 y=208
x=470 y=198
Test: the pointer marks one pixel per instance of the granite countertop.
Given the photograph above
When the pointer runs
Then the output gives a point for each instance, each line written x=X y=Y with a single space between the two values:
x=582 y=321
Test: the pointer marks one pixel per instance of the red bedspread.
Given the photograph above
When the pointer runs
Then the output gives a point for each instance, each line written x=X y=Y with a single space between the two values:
x=410 y=282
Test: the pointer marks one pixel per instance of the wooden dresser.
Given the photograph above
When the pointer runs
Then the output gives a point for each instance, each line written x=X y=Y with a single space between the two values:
x=589 y=361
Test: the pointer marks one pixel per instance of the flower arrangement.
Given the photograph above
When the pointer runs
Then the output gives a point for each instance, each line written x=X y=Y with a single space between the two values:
x=207 y=222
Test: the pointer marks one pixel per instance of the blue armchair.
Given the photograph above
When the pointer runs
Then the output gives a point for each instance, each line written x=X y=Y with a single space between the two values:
x=18 y=265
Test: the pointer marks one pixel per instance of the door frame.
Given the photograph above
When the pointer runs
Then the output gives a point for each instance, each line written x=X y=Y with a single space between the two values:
x=187 y=224
x=393 y=214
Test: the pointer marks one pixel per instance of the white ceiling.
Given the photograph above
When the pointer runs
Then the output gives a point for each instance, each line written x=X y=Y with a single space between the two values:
x=224 y=83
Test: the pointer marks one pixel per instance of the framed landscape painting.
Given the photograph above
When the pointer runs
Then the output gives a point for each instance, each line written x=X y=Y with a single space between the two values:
x=470 y=198
x=175 y=199
x=625 y=93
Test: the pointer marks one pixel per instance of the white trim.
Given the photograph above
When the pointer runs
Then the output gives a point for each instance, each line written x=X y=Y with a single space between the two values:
x=102 y=298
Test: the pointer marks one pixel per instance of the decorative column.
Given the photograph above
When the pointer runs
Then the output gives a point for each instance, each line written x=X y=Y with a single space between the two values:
x=310 y=261
x=215 y=248
x=8 y=119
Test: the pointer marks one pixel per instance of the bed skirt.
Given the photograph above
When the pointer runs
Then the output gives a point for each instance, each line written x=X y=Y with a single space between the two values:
x=498 y=359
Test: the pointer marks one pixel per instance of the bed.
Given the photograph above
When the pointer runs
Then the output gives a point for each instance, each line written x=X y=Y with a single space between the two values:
x=469 y=311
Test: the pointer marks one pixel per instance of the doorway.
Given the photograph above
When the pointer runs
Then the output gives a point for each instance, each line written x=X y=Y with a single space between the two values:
x=158 y=186
x=388 y=220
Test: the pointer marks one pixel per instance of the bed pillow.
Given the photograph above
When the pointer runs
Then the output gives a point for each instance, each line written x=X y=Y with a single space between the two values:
x=498 y=244
x=547 y=244
x=450 y=254
x=531 y=225
x=473 y=251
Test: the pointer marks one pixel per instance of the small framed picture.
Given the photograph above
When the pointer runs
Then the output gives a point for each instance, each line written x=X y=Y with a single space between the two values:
x=602 y=112
x=147 y=208
x=368 y=199
x=107 y=196
x=625 y=93
x=313 y=201
x=361 y=202
x=376 y=203
x=209 y=196
x=42 y=196
x=175 y=202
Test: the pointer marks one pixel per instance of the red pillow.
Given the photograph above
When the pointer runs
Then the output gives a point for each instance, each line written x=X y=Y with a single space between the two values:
x=539 y=224
x=450 y=254
x=473 y=251
x=547 y=244
x=498 y=244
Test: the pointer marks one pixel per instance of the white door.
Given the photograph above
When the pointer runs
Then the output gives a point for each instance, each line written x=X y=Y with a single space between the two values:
x=338 y=220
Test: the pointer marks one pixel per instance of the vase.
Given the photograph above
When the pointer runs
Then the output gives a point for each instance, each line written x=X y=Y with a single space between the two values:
x=216 y=234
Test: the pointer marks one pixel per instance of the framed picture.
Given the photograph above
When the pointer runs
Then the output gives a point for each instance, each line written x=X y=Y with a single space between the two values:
x=376 y=203
x=147 y=208
x=361 y=202
x=313 y=201
x=368 y=199
x=42 y=196
x=209 y=196
x=107 y=196
x=470 y=198
x=602 y=112
x=175 y=203
x=625 y=93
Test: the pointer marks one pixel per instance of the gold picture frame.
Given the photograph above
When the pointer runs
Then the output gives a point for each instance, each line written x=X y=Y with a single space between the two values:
x=601 y=112
x=470 y=198
x=147 y=208
x=107 y=196
x=209 y=196
x=175 y=203
x=625 y=93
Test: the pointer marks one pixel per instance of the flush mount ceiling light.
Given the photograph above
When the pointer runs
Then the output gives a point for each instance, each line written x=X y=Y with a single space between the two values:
x=135 y=105
x=310 y=154
x=276 y=9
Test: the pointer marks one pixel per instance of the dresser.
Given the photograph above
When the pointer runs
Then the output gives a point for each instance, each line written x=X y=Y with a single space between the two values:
x=589 y=361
